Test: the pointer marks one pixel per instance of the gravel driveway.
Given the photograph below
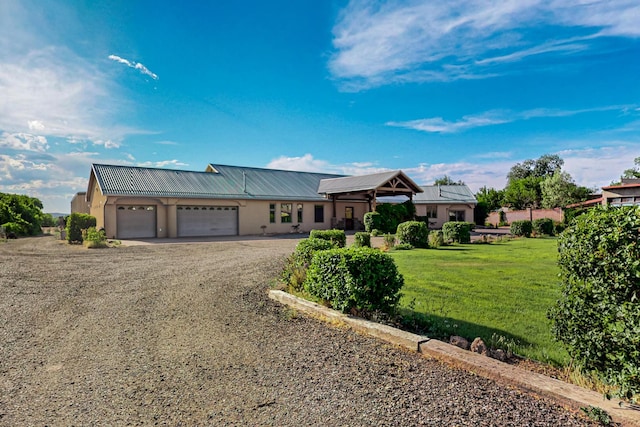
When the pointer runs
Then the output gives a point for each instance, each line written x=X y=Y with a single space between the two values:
x=184 y=334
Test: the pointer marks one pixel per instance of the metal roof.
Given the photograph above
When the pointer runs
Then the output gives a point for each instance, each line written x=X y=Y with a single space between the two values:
x=434 y=194
x=354 y=184
x=220 y=182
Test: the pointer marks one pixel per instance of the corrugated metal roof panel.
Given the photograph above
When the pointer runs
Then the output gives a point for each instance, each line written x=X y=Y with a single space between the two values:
x=227 y=182
x=434 y=194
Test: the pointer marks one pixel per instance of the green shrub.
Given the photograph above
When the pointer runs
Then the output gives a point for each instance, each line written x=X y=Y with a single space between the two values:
x=558 y=227
x=543 y=226
x=14 y=228
x=598 y=315
x=393 y=214
x=294 y=272
x=93 y=238
x=389 y=241
x=76 y=223
x=364 y=279
x=436 y=239
x=521 y=228
x=372 y=221
x=403 y=247
x=457 y=231
x=362 y=239
x=335 y=236
x=414 y=233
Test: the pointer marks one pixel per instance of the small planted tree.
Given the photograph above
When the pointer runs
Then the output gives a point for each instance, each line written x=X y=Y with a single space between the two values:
x=457 y=231
x=598 y=315
x=76 y=223
x=521 y=228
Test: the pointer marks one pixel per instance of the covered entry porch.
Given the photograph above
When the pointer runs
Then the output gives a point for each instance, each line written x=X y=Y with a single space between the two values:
x=364 y=189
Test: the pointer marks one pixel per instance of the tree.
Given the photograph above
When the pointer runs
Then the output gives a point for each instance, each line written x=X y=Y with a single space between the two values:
x=523 y=193
x=446 y=180
x=491 y=197
x=632 y=172
x=23 y=213
x=546 y=165
x=559 y=190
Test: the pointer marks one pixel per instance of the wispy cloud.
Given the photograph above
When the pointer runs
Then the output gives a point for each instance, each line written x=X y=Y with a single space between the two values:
x=378 y=43
x=496 y=117
x=308 y=163
x=135 y=65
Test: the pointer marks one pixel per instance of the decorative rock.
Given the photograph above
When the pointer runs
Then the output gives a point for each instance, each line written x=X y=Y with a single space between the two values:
x=499 y=354
x=478 y=346
x=459 y=342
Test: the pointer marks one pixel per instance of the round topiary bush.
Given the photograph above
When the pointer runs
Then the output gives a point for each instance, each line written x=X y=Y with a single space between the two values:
x=543 y=226
x=598 y=315
x=362 y=239
x=414 y=233
x=521 y=228
x=355 y=278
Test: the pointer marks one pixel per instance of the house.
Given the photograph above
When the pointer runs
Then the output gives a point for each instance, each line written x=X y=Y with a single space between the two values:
x=443 y=203
x=627 y=193
x=136 y=202
x=79 y=203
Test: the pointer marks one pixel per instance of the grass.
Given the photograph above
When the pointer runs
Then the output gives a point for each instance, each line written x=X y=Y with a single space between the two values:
x=500 y=292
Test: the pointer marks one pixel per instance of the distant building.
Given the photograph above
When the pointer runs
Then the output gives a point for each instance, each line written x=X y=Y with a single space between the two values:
x=443 y=203
x=79 y=203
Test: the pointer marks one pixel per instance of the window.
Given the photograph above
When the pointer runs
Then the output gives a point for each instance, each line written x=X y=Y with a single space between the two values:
x=456 y=215
x=285 y=212
x=318 y=213
x=299 y=213
x=272 y=213
x=432 y=211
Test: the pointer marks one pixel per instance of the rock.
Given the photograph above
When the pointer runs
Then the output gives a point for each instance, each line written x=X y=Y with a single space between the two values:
x=498 y=354
x=459 y=342
x=478 y=346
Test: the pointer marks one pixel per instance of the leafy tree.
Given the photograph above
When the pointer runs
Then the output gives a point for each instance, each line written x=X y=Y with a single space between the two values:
x=522 y=193
x=544 y=166
x=559 y=190
x=491 y=197
x=24 y=212
x=633 y=172
x=446 y=180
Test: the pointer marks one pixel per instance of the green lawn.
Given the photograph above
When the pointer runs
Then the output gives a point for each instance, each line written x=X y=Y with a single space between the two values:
x=497 y=291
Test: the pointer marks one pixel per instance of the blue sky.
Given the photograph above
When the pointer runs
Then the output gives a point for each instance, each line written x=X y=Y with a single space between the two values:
x=463 y=88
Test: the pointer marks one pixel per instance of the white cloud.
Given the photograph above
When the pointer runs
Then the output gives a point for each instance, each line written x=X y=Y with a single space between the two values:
x=308 y=163
x=135 y=65
x=495 y=117
x=162 y=164
x=378 y=43
x=23 y=142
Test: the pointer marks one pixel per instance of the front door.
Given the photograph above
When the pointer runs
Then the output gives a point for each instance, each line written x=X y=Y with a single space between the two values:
x=348 y=218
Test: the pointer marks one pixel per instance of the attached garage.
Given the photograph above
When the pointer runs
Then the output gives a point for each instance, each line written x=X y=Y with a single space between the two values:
x=136 y=222
x=196 y=221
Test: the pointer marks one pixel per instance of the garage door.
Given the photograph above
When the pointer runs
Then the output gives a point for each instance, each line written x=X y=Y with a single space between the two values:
x=207 y=221
x=136 y=222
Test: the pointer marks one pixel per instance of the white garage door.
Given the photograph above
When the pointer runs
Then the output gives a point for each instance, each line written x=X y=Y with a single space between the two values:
x=136 y=222
x=207 y=221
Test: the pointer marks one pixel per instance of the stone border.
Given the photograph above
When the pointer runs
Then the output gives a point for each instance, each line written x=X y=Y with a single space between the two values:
x=567 y=394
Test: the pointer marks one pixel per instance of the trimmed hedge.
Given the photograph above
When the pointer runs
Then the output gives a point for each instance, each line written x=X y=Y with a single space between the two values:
x=295 y=271
x=362 y=239
x=457 y=231
x=414 y=233
x=598 y=315
x=335 y=236
x=355 y=278
x=543 y=226
x=521 y=228
x=77 y=222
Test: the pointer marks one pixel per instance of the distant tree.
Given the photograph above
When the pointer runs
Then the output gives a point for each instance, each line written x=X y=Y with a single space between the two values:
x=491 y=197
x=546 y=165
x=633 y=172
x=523 y=193
x=559 y=190
x=446 y=180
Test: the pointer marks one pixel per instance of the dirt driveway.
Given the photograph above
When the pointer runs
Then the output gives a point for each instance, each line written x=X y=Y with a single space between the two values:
x=185 y=335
